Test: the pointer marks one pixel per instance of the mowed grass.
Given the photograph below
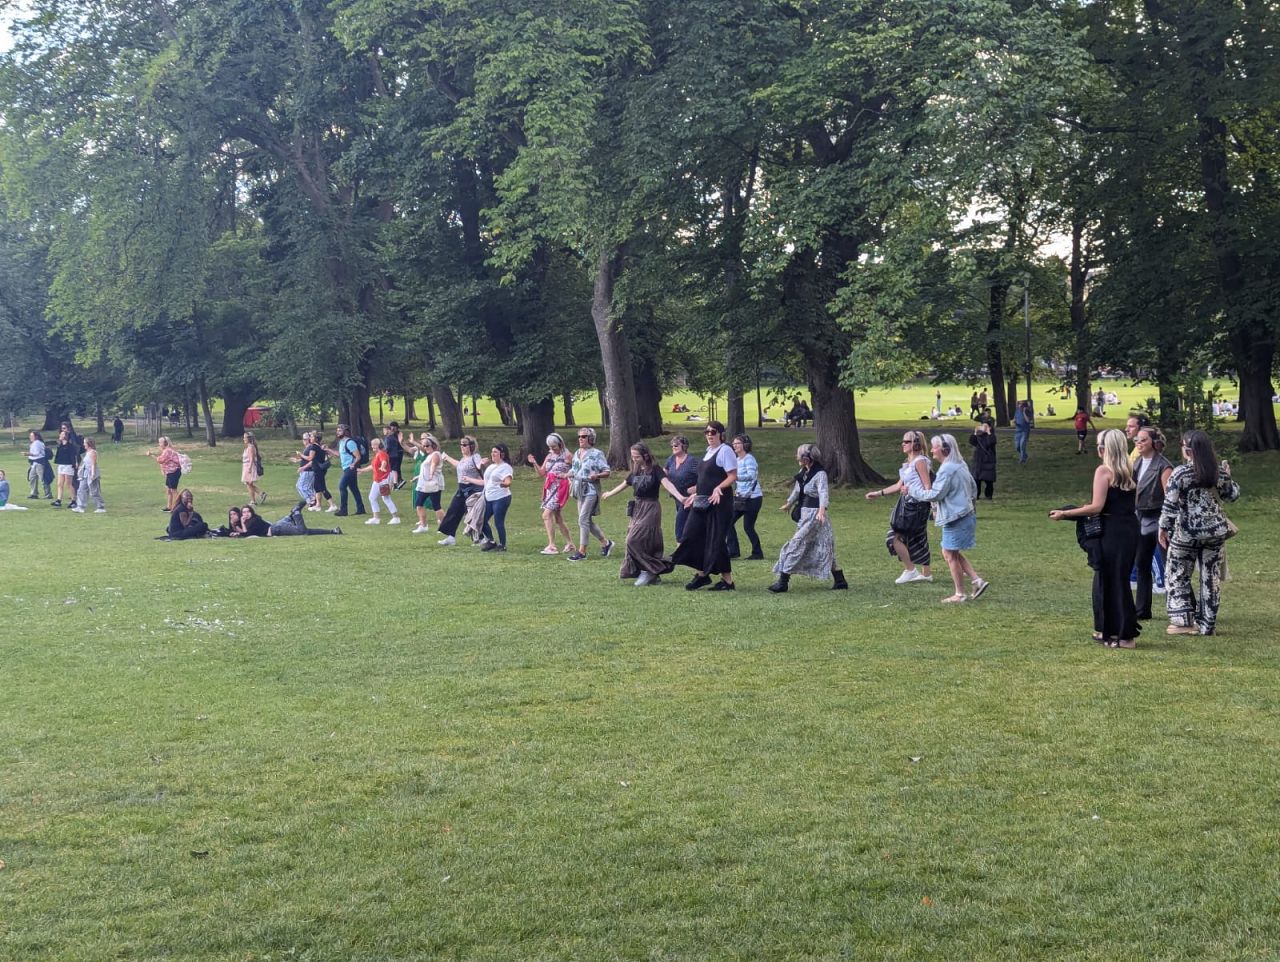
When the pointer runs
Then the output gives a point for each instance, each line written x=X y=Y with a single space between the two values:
x=375 y=748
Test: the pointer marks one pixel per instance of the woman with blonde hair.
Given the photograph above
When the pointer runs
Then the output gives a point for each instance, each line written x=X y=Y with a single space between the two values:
x=954 y=491
x=1115 y=618
x=251 y=469
x=555 y=470
x=428 y=478
x=908 y=537
x=171 y=465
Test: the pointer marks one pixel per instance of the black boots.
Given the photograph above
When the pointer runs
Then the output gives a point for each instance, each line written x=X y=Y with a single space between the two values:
x=779 y=586
x=838 y=582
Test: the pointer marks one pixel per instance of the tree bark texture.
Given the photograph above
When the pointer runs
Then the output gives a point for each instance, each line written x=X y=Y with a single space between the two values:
x=355 y=410
x=450 y=412
x=1082 y=355
x=539 y=420
x=648 y=398
x=234 y=406
x=995 y=356
x=210 y=436
x=569 y=422
x=835 y=422
x=615 y=355
x=736 y=415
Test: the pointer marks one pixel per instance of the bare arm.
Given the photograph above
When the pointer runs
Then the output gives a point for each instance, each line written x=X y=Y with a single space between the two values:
x=612 y=491
x=1101 y=481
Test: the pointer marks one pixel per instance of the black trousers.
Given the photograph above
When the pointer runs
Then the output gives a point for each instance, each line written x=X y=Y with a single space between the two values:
x=748 y=516
x=456 y=511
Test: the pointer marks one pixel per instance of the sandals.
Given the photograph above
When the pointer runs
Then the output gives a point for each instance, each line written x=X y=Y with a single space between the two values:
x=955 y=599
x=1182 y=630
x=1126 y=643
x=1099 y=637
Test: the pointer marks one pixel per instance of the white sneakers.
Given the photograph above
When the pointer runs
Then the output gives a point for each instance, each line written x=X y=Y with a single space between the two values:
x=910 y=575
x=374 y=520
x=332 y=508
x=550 y=549
x=420 y=529
x=447 y=540
x=100 y=511
x=395 y=519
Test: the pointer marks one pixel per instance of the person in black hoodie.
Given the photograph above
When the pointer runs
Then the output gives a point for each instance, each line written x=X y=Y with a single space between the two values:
x=983 y=440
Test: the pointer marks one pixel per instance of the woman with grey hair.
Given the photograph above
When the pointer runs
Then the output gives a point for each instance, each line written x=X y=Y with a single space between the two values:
x=955 y=512
x=812 y=549
x=555 y=470
x=588 y=469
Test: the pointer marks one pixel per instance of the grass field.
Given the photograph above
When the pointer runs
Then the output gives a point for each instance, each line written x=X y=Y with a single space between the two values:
x=375 y=748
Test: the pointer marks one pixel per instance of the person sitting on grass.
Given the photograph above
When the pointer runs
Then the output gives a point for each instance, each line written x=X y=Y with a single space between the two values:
x=185 y=522
x=4 y=496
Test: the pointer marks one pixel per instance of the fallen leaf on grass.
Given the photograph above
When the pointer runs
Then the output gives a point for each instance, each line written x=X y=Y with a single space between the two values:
x=926 y=901
x=204 y=854
x=915 y=758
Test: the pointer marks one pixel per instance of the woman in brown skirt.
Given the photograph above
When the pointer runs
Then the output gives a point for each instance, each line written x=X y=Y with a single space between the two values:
x=643 y=559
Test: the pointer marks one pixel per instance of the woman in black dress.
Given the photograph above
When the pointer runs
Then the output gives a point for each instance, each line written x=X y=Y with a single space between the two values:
x=983 y=440
x=1115 y=618
x=710 y=515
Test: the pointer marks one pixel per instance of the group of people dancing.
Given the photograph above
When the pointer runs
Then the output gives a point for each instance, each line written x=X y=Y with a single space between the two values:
x=68 y=470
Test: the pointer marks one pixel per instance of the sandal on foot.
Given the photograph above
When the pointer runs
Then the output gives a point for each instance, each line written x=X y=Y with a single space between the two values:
x=955 y=599
x=1120 y=643
x=1099 y=637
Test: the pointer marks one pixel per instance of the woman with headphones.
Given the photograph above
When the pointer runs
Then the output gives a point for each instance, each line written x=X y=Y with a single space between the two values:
x=956 y=514
x=908 y=537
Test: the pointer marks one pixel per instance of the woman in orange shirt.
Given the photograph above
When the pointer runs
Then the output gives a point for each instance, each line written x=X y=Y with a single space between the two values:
x=380 y=465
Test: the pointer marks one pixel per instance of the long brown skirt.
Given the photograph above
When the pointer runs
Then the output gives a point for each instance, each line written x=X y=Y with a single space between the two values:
x=644 y=541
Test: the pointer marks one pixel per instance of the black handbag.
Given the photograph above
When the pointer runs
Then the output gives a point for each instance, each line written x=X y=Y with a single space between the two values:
x=701 y=502
x=631 y=509
x=909 y=515
x=795 y=512
x=740 y=503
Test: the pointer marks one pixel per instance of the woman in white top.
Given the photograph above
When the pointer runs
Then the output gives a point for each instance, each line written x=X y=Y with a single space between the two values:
x=497 y=497
x=908 y=537
x=711 y=515
x=90 y=481
x=37 y=461
x=429 y=482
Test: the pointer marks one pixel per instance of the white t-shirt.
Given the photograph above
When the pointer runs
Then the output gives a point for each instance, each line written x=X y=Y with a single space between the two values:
x=724 y=457
x=494 y=475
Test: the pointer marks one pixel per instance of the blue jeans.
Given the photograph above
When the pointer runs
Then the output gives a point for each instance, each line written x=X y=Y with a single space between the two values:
x=350 y=483
x=1020 y=439
x=497 y=510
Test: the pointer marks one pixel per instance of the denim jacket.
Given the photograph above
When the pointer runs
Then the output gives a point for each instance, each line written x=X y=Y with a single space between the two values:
x=953 y=492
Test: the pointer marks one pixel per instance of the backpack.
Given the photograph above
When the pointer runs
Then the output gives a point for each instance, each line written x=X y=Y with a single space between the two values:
x=362 y=450
x=184 y=462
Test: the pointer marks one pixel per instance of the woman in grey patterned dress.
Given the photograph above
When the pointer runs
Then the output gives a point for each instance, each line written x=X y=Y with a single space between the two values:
x=1193 y=531
x=812 y=549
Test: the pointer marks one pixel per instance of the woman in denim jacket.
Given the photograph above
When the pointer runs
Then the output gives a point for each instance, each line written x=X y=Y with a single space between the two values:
x=953 y=494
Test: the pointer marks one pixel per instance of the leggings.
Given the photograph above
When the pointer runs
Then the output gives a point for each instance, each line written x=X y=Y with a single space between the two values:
x=587 y=522
x=990 y=486
x=748 y=517
x=1147 y=547
x=321 y=486
x=497 y=510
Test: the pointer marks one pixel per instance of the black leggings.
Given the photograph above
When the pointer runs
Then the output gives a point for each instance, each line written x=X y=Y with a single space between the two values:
x=320 y=485
x=748 y=516
x=1146 y=551
x=991 y=486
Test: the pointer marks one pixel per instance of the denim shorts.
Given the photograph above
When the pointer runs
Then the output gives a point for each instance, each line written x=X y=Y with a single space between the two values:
x=961 y=534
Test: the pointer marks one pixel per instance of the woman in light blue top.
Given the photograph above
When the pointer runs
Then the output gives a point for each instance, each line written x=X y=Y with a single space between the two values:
x=953 y=494
x=748 y=497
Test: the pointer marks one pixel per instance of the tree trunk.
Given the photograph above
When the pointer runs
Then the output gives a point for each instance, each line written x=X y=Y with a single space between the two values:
x=210 y=437
x=188 y=422
x=539 y=420
x=1082 y=356
x=1255 y=353
x=410 y=411
x=615 y=354
x=995 y=357
x=431 y=412
x=648 y=398
x=53 y=418
x=234 y=406
x=355 y=411
x=835 y=421
x=100 y=418
x=450 y=411
x=1013 y=391
x=504 y=412
x=737 y=414
x=569 y=422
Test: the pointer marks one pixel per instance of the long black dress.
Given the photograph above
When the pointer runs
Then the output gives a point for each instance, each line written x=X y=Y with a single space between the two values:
x=1114 y=614
x=703 y=546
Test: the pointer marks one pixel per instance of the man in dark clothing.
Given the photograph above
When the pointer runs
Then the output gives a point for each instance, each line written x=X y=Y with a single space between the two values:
x=395 y=451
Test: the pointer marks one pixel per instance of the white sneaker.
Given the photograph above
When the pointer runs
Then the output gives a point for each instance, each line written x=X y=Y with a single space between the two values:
x=643 y=579
x=448 y=540
x=373 y=520
x=100 y=511
x=312 y=507
x=395 y=519
x=908 y=576
x=551 y=549
x=417 y=529
x=332 y=508
x=77 y=509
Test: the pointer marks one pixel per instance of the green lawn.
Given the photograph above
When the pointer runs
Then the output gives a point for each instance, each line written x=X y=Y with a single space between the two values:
x=375 y=748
